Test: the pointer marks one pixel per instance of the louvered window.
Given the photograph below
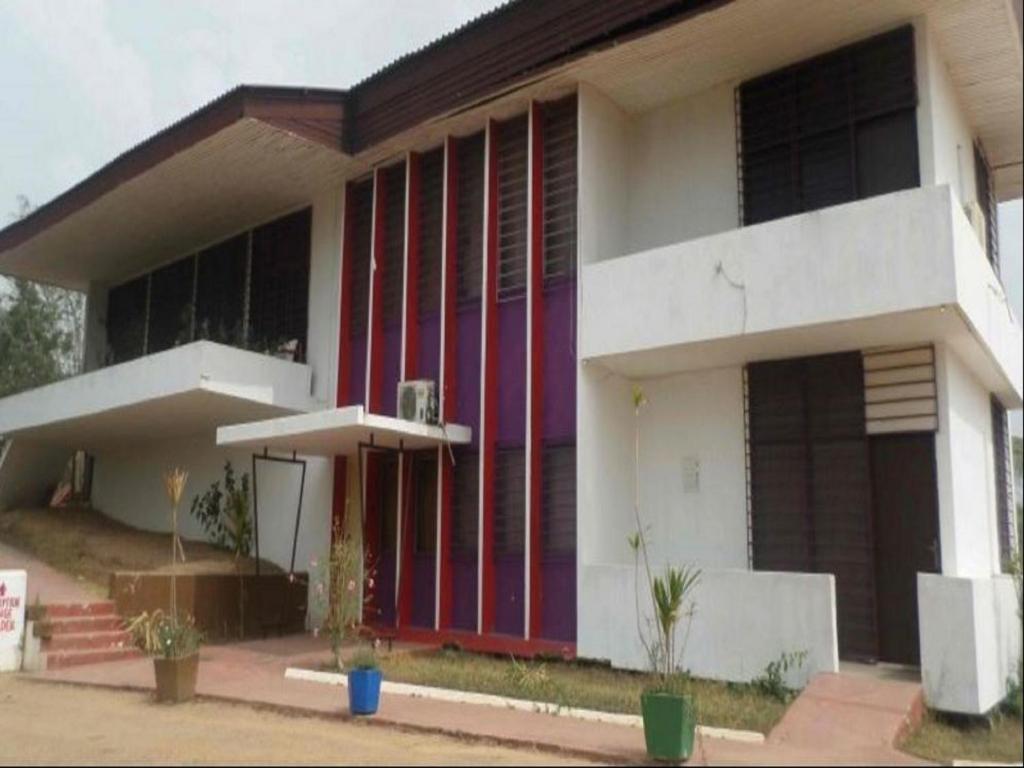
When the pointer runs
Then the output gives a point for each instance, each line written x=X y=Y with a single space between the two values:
x=559 y=499
x=833 y=129
x=392 y=260
x=512 y=207
x=509 y=501
x=220 y=292
x=425 y=495
x=1004 y=483
x=465 y=500
x=126 y=320
x=560 y=185
x=431 y=229
x=170 y=306
x=810 y=482
x=362 y=235
x=470 y=218
x=279 y=285
x=987 y=201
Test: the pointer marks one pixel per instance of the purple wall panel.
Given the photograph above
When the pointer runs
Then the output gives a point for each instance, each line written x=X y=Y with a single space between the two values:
x=509 y=583
x=464 y=573
x=357 y=372
x=392 y=370
x=429 y=352
x=558 y=609
x=468 y=372
x=559 y=362
x=423 y=578
x=511 y=353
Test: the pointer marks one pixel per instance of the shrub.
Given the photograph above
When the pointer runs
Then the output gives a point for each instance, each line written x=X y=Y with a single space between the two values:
x=165 y=636
x=772 y=682
x=226 y=516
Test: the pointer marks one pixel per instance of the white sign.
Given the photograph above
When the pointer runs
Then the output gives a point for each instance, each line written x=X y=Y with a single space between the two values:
x=12 y=618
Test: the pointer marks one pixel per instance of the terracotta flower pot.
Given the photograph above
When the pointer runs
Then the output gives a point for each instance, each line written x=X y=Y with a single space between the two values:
x=176 y=678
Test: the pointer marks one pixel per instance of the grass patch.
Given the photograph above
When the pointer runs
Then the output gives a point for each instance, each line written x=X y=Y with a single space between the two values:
x=944 y=739
x=576 y=684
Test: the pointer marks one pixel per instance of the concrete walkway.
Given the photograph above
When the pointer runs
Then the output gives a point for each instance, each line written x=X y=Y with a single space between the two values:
x=833 y=722
x=49 y=585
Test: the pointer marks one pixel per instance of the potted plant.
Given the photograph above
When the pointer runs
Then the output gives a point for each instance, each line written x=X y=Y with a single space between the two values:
x=173 y=643
x=668 y=708
x=344 y=591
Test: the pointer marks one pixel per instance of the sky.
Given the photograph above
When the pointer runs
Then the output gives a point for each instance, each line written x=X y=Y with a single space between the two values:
x=83 y=80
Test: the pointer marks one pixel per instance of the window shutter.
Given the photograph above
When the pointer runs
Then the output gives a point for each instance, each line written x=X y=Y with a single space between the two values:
x=560 y=185
x=362 y=235
x=558 y=495
x=393 y=259
x=509 y=501
x=431 y=229
x=470 y=218
x=512 y=136
x=1004 y=484
x=465 y=500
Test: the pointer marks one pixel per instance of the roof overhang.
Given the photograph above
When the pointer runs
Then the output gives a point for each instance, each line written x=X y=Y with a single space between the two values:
x=340 y=432
x=185 y=392
x=249 y=156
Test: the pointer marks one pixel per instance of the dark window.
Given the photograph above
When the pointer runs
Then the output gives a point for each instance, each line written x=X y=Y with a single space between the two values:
x=388 y=500
x=836 y=128
x=558 y=499
x=470 y=217
x=512 y=139
x=170 y=305
x=392 y=260
x=220 y=292
x=126 y=320
x=509 y=501
x=279 y=285
x=465 y=500
x=987 y=202
x=425 y=496
x=431 y=230
x=362 y=236
x=1004 y=483
x=560 y=183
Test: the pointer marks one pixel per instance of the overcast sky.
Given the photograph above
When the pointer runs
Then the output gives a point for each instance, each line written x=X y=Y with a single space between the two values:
x=83 y=80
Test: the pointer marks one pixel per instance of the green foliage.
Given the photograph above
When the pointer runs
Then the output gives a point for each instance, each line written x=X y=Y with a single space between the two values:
x=343 y=587
x=533 y=683
x=164 y=636
x=364 y=658
x=225 y=515
x=772 y=682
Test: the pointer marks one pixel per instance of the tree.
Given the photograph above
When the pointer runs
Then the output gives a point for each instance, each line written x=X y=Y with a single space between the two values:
x=41 y=330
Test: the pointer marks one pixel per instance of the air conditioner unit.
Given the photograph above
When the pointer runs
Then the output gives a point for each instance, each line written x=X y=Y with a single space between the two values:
x=417 y=401
x=976 y=215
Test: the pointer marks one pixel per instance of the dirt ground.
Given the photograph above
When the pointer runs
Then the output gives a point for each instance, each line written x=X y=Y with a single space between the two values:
x=87 y=545
x=43 y=723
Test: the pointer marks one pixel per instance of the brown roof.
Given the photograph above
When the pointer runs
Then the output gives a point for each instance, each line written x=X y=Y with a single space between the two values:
x=516 y=40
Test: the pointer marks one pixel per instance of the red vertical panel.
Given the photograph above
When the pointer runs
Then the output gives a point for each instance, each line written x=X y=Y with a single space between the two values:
x=490 y=420
x=345 y=312
x=448 y=351
x=412 y=269
x=536 y=382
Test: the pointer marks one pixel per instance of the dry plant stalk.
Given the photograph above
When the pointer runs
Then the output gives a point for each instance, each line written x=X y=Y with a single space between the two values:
x=174 y=484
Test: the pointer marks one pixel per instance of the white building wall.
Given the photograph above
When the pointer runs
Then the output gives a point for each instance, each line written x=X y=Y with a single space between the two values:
x=966 y=477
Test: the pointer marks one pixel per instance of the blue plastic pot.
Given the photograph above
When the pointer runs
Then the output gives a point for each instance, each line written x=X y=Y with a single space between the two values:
x=364 y=691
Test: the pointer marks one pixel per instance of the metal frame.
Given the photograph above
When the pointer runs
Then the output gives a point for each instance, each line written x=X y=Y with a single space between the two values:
x=294 y=460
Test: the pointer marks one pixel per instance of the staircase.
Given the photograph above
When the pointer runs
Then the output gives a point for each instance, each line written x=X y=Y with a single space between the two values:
x=71 y=634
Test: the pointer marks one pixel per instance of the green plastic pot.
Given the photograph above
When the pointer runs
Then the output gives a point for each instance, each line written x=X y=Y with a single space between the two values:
x=669 y=724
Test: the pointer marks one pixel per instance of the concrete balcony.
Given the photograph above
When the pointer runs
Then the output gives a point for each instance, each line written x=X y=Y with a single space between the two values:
x=188 y=390
x=895 y=269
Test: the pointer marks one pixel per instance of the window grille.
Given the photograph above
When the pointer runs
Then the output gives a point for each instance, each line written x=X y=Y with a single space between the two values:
x=465 y=500
x=470 y=218
x=987 y=201
x=431 y=229
x=560 y=187
x=509 y=500
x=1004 y=484
x=392 y=260
x=513 y=203
x=558 y=494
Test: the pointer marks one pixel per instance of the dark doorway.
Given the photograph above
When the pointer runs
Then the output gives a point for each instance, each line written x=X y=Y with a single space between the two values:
x=906 y=537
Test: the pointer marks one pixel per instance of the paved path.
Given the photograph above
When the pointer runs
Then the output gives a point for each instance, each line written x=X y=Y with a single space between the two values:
x=835 y=723
x=43 y=581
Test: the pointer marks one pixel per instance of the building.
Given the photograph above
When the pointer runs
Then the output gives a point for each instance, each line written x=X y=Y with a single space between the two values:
x=777 y=217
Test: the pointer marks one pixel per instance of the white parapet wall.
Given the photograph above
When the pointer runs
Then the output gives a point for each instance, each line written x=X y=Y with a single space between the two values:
x=743 y=621
x=970 y=641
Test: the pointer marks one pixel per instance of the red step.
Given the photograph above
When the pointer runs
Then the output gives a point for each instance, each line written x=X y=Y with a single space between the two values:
x=78 y=610
x=85 y=624
x=62 y=659
x=85 y=641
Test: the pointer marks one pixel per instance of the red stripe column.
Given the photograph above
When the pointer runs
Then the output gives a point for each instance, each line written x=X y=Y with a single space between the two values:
x=409 y=366
x=489 y=395
x=448 y=377
x=536 y=381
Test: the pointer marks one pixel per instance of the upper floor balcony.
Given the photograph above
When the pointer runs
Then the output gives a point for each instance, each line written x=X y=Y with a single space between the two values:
x=902 y=268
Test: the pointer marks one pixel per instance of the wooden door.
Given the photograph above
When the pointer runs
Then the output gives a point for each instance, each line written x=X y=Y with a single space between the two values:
x=906 y=537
